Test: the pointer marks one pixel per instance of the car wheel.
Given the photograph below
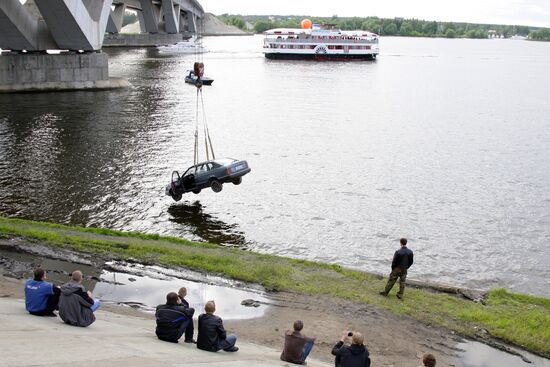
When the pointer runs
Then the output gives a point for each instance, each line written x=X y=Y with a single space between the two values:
x=237 y=181
x=197 y=191
x=216 y=185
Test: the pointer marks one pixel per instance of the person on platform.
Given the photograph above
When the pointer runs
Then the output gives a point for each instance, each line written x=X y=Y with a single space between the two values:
x=354 y=355
x=212 y=336
x=76 y=305
x=41 y=297
x=402 y=261
x=297 y=346
x=173 y=320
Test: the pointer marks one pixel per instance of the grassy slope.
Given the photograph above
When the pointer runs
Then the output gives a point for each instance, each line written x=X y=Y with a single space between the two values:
x=519 y=319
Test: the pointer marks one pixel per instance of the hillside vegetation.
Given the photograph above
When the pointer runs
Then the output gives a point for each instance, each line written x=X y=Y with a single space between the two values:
x=389 y=26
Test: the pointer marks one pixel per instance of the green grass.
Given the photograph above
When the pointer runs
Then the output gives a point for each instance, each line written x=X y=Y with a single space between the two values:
x=515 y=318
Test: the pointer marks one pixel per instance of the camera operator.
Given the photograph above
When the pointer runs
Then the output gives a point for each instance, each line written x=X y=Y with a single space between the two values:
x=354 y=355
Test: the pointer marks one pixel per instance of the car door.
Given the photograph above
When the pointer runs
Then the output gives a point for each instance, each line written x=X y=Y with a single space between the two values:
x=201 y=175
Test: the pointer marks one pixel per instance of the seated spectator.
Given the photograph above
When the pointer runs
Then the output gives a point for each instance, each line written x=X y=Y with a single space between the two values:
x=355 y=355
x=212 y=336
x=174 y=319
x=41 y=297
x=76 y=306
x=182 y=293
x=297 y=346
x=428 y=360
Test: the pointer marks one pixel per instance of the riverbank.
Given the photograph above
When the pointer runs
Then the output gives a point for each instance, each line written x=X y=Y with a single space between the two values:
x=502 y=316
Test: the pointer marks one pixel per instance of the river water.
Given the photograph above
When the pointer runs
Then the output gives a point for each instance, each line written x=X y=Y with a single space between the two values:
x=445 y=142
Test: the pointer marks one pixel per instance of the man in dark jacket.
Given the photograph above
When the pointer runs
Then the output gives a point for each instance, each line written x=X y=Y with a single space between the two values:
x=173 y=319
x=355 y=355
x=402 y=261
x=41 y=297
x=76 y=305
x=297 y=346
x=212 y=336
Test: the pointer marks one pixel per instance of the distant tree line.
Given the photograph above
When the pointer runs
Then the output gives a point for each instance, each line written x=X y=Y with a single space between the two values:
x=129 y=18
x=390 y=27
x=235 y=20
x=541 y=34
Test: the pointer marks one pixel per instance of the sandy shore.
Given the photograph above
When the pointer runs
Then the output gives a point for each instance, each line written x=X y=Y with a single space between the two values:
x=392 y=341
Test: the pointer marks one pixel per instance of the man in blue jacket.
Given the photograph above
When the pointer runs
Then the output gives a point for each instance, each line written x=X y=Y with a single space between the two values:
x=402 y=261
x=41 y=297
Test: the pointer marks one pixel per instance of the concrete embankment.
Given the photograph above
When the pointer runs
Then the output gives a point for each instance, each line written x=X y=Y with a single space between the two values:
x=113 y=340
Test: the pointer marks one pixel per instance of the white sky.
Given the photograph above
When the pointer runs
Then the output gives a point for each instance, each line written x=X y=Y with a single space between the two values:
x=521 y=12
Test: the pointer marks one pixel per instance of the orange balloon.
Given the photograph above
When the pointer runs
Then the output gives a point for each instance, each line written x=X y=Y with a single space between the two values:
x=306 y=24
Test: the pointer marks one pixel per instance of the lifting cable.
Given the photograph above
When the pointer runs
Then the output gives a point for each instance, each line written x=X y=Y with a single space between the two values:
x=207 y=139
x=198 y=68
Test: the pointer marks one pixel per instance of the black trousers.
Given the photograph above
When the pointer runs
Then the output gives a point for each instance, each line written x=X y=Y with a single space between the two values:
x=185 y=327
x=51 y=304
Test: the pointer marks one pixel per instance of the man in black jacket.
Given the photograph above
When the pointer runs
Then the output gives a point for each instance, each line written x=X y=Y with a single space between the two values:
x=355 y=355
x=402 y=261
x=173 y=320
x=212 y=336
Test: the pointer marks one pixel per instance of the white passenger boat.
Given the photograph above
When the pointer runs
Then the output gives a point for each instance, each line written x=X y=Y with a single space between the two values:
x=320 y=43
x=191 y=46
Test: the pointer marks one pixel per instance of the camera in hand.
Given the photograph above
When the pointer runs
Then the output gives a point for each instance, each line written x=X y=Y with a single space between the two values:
x=350 y=333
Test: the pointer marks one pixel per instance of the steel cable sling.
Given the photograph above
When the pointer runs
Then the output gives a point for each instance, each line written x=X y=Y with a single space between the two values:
x=207 y=140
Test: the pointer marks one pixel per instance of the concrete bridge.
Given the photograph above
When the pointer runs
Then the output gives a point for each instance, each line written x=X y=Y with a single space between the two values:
x=79 y=26
x=39 y=25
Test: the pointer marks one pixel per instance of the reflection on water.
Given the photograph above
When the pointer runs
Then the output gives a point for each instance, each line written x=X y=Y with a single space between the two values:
x=194 y=219
x=480 y=355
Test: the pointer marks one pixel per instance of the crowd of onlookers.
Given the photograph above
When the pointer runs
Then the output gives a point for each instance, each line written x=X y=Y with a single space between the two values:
x=76 y=306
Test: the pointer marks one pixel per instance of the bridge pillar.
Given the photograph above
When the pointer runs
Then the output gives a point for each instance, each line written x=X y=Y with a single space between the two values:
x=141 y=21
x=114 y=24
x=151 y=15
x=66 y=71
x=76 y=24
x=19 y=30
x=171 y=16
x=191 y=22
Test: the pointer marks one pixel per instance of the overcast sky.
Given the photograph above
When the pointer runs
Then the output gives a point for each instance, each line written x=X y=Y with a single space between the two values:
x=521 y=12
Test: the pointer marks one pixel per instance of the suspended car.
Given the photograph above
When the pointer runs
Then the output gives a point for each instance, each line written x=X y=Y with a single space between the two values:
x=212 y=173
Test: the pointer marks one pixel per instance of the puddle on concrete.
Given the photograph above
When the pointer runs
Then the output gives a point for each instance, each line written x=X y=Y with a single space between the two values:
x=151 y=290
x=144 y=287
x=477 y=354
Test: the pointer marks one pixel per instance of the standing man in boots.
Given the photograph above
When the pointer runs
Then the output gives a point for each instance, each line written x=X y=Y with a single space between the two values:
x=402 y=261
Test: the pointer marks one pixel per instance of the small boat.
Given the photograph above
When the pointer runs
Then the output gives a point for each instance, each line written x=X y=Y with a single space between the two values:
x=191 y=78
x=191 y=46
